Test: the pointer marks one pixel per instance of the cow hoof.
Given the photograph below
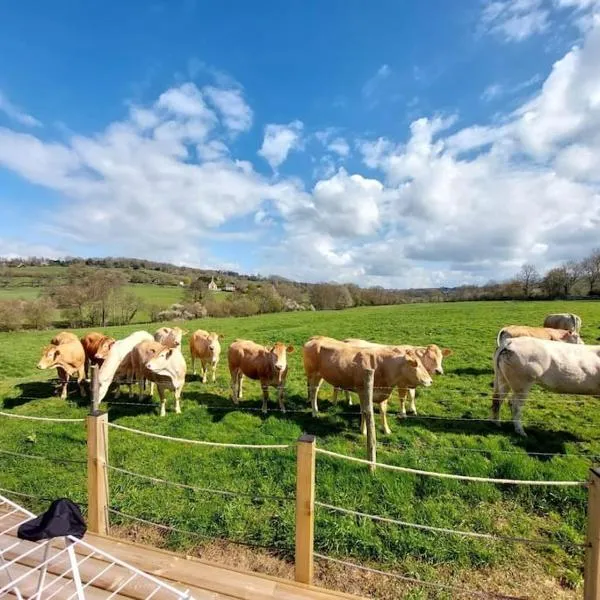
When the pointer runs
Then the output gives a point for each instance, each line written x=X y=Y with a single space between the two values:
x=204 y=380
x=402 y=415
x=264 y=411
x=387 y=431
x=315 y=414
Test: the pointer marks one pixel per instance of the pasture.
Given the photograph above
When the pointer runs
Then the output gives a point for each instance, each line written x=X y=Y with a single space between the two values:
x=563 y=442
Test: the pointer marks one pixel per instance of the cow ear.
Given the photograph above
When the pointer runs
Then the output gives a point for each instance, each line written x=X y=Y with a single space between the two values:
x=446 y=352
x=169 y=353
x=290 y=349
x=220 y=336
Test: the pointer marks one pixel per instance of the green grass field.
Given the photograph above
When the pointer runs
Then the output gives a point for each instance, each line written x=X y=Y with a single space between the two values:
x=563 y=427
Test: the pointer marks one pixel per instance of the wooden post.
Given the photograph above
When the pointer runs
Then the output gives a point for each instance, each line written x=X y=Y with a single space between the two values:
x=369 y=417
x=591 y=585
x=95 y=389
x=97 y=444
x=305 y=507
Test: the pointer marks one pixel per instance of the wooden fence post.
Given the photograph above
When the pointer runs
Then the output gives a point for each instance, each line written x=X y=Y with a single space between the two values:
x=591 y=585
x=95 y=389
x=97 y=445
x=305 y=507
x=370 y=419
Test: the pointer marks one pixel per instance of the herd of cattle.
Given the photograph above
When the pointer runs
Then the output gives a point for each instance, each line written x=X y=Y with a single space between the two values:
x=553 y=356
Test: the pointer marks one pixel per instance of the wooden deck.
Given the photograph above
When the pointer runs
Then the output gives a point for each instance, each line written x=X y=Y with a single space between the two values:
x=204 y=580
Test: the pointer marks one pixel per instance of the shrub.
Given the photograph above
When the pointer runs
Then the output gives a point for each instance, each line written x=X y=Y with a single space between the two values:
x=39 y=313
x=11 y=315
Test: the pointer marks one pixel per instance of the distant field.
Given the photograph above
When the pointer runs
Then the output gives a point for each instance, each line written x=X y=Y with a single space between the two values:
x=162 y=296
x=565 y=428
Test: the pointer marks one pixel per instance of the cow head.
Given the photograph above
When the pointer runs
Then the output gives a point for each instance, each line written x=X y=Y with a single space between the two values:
x=278 y=356
x=213 y=342
x=104 y=348
x=572 y=337
x=159 y=358
x=50 y=356
x=432 y=357
x=416 y=374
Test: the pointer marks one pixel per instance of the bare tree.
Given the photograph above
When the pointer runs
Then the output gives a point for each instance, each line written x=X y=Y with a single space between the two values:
x=573 y=273
x=591 y=269
x=528 y=277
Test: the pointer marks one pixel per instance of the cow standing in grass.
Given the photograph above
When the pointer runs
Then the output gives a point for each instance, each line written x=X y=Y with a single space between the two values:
x=96 y=347
x=169 y=336
x=541 y=333
x=568 y=321
x=66 y=354
x=206 y=347
x=267 y=365
x=559 y=367
x=344 y=366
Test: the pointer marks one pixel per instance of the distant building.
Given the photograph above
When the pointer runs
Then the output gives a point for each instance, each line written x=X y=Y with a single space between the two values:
x=212 y=286
x=229 y=287
x=181 y=284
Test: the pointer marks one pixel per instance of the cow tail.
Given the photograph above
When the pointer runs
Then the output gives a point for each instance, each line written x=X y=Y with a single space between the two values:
x=500 y=338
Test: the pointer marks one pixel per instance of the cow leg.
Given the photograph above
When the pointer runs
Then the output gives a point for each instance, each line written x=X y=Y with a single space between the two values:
x=81 y=381
x=402 y=393
x=235 y=386
x=501 y=389
x=413 y=407
x=214 y=370
x=313 y=392
x=87 y=368
x=240 y=392
x=64 y=382
x=383 y=406
x=177 y=397
x=151 y=389
x=334 y=397
x=280 y=396
x=161 y=395
x=265 y=391
x=193 y=364
x=516 y=404
x=348 y=397
x=204 y=370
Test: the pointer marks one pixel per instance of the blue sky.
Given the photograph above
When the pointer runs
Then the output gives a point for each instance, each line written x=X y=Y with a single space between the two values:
x=389 y=143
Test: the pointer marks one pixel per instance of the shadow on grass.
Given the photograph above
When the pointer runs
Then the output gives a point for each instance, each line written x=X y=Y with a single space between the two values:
x=538 y=440
x=34 y=390
x=472 y=371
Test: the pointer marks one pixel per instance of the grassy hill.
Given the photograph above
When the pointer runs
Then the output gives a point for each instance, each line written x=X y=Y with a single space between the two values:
x=451 y=434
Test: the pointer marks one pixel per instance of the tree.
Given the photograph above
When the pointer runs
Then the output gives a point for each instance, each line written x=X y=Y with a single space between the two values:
x=328 y=296
x=196 y=291
x=39 y=313
x=528 y=277
x=555 y=282
x=573 y=273
x=11 y=315
x=591 y=269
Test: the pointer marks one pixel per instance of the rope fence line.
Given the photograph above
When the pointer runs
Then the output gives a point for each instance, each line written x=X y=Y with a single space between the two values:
x=415 y=581
x=453 y=476
x=40 y=498
x=201 y=489
x=48 y=458
x=195 y=533
x=48 y=419
x=487 y=536
x=200 y=442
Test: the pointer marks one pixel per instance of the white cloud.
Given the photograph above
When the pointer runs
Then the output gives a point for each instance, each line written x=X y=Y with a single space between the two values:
x=17 y=114
x=237 y=115
x=279 y=141
x=515 y=20
x=492 y=91
x=373 y=84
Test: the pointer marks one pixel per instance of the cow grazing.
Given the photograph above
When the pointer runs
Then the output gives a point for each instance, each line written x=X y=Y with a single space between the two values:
x=267 y=365
x=431 y=356
x=206 y=347
x=96 y=346
x=343 y=365
x=169 y=336
x=117 y=364
x=556 y=366
x=541 y=333
x=567 y=321
x=161 y=365
x=68 y=358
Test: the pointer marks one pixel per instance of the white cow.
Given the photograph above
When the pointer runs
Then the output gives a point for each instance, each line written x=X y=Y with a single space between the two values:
x=563 y=321
x=169 y=336
x=167 y=369
x=556 y=366
x=118 y=356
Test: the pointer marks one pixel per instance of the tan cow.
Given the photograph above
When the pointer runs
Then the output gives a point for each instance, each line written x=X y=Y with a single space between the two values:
x=69 y=360
x=267 y=365
x=205 y=346
x=541 y=333
x=431 y=356
x=63 y=337
x=568 y=321
x=169 y=336
x=556 y=366
x=162 y=365
x=343 y=366
x=96 y=346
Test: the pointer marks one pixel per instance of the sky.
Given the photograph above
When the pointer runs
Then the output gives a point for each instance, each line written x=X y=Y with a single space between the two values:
x=402 y=144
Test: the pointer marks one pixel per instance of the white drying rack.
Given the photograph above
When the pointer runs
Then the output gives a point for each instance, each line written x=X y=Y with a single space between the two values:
x=49 y=569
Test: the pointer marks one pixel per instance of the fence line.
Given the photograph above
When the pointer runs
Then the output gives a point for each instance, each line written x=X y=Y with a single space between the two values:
x=194 y=533
x=40 y=457
x=199 y=489
x=474 y=534
x=415 y=581
x=201 y=442
x=452 y=476
x=49 y=419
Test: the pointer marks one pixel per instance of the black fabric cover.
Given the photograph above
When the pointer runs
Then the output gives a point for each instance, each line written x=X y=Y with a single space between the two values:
x=61 y=519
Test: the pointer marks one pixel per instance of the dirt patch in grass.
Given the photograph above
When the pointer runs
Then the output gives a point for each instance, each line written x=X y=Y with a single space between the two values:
x=511 y=583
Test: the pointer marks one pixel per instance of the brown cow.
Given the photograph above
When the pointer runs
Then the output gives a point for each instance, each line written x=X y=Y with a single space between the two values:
x=431 y=356
x=161 y=365
x=69 y=360
x=541 y=333
x=96 y=346
x=267 y=365
x=206 y=347
x=343 y=365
